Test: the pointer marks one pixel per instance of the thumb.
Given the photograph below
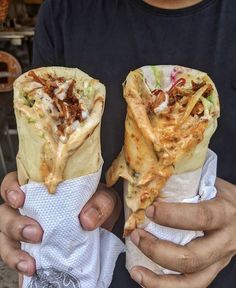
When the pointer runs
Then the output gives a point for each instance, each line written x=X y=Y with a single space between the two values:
x=102 y=210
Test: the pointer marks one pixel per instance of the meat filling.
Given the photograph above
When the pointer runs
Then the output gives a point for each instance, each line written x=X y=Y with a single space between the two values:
x=178 y=94
x=63 y=99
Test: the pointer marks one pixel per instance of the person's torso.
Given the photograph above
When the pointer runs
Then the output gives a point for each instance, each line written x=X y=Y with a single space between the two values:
x=107 y=39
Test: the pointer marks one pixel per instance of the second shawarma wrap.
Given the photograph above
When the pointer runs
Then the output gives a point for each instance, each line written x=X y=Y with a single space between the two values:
x=172 y=113
x=58 y=112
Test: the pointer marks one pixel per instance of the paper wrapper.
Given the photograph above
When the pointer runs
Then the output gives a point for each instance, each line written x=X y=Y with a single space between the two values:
x=68 y=256
x=190 y=187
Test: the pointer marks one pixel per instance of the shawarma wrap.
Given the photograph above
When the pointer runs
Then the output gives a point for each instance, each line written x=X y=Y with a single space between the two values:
x=58 y=112
x=172 y=113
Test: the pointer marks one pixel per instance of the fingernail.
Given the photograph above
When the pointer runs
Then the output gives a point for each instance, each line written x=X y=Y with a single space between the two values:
x=30 y=232
x=22 y=267
x=135 y=237
x=150 y=211
x=136 y=276
x=12 y=197
x=93 y=215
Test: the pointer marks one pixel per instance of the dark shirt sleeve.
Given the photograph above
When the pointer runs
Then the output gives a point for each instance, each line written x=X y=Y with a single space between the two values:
x=44 y=44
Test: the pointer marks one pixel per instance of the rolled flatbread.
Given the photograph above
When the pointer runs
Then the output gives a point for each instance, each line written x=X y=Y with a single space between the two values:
x=172 y=113
x=58 y=112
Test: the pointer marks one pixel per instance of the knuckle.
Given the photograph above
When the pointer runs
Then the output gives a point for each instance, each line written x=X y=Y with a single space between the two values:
x=204 y=216
x=9 y=253
x=7 y=257
x=109 y=200
x=3 y=209
x=14 y=227
x=225 y=261
x=148 y=246
x=106 y=204
x=4 y=183
x=162 y=213
x=158 y=207
x=229 y=239
x=187 y=263
x=11 y=257
x=230 y=211
x=149 y=282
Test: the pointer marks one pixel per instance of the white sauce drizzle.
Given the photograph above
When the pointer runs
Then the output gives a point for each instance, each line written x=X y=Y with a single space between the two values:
x=84 y=114
x=32 y=86
x=163 y=105
x=62 y=89
x=75 y=125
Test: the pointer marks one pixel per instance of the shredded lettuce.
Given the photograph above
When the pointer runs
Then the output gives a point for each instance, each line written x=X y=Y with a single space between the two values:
x=207 y=106
x=89 y=91
x=157 y=74
x=27 y=101
x=22 y=94
x=41 y=134
x=31 y=120
x=210 y=98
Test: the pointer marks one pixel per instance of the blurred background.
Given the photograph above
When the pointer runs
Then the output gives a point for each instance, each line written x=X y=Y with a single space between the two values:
x=17 y=25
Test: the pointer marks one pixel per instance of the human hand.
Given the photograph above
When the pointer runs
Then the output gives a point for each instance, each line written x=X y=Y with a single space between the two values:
x=102 y=209
x=202 y=259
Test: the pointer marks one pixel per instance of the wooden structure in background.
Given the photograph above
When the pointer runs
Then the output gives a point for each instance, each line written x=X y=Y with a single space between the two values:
x=4 y=5
x=10 y=69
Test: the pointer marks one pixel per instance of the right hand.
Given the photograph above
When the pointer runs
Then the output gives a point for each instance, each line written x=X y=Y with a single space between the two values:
x=102 y=209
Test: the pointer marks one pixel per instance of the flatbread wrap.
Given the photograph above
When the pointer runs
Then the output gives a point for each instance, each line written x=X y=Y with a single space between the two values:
x=172 y=113
x=58 y=112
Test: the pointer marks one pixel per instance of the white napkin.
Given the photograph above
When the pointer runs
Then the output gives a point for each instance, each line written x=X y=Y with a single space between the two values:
x=68 y=256
x=190 y=187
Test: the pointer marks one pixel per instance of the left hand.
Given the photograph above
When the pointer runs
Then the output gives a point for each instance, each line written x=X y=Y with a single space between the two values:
x=102 y=210
x=202 y=259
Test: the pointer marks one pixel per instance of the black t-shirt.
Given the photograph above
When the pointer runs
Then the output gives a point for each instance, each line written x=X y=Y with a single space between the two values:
x=108 y=38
